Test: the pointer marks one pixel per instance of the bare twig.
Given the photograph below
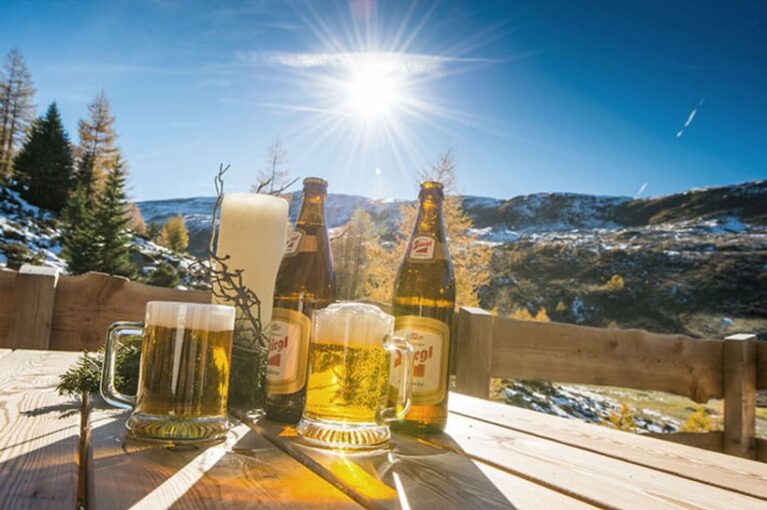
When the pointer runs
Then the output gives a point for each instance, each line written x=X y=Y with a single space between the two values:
x=227 y=283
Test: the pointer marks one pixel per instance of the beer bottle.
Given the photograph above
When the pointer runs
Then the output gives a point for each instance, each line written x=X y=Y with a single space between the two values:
x=305 y=282
x=423 y=303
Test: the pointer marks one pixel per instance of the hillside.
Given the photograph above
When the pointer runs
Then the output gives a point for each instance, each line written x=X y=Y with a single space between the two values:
x=691 y=263
x=31 y=235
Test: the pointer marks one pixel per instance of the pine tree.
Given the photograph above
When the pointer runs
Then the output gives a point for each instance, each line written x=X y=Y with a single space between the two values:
x=112 y=220
x=78 y=237
x=97 y=151
x=164 y=275
x=43 y=166
x=16 y=109
x=174 y=234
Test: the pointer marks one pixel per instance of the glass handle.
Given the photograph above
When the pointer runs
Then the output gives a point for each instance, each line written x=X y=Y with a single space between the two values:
x=107 y=387
x=398 y=345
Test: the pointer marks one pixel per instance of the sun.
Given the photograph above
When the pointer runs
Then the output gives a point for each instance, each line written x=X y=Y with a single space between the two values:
x=371 y=93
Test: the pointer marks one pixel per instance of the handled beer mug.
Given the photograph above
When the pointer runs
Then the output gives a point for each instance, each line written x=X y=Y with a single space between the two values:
x=348 y=383
x=183 y=375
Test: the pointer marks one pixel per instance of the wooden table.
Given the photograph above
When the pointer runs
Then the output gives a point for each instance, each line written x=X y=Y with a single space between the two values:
x=491 y=456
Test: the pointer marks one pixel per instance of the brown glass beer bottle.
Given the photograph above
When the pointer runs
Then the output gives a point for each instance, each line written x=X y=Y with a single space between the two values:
x=423 y=303
x=305 y=282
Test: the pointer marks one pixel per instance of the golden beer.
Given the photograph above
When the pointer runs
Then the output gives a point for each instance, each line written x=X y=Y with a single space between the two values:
x=423 y=304
x=190 y=379
x=346 y=382
x=183 y=375
x=305 y=282
x=349 y=370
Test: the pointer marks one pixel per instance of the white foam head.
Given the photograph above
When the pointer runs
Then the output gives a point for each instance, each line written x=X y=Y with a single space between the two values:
x=356 y=323
x=173 y=314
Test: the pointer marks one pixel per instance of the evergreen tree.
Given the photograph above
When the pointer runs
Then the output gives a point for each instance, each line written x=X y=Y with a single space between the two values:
x=16 y=109
x=78 y=237
x=112 y=220
x=153 y=230
x=165 y=275
x=97 y=151
x=43 y=167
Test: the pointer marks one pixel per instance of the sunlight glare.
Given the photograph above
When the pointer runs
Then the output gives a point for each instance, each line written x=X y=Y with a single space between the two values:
x=371 y=93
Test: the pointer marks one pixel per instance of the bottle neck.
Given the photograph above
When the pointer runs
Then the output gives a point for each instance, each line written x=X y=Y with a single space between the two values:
x=312 y=209
x=429 y=218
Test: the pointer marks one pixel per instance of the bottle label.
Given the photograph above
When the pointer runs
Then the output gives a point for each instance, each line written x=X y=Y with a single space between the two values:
x=422 y=248
x=293 y=241
x=430 y=340
x=299 y=241
x=288 y=351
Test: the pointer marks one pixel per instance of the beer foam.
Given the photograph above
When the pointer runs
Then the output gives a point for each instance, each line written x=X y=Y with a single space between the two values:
x=173 y=314
x=356 y=323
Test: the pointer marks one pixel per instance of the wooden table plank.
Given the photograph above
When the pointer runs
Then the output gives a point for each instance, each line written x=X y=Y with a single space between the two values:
x=244 y=472
x=39 y=432
x=733 y=473
x=526 y=495
x=599 y=480
x=411 y=474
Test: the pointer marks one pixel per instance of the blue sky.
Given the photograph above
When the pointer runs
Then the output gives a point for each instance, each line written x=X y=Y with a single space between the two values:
x=621 y=98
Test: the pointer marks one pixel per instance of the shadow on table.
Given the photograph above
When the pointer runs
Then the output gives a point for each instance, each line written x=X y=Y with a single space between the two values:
x=42 y=475
x=413 y=473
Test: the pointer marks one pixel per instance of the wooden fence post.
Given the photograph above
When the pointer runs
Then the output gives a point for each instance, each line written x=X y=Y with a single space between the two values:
x=740 y=395
x=33 y=309
x=474 y=351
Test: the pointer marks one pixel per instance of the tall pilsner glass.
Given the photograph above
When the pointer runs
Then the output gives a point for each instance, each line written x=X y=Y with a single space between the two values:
x=252 y=233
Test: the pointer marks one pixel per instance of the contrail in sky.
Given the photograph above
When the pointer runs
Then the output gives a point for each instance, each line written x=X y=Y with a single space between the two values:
x=689 y=120
x=642 y=188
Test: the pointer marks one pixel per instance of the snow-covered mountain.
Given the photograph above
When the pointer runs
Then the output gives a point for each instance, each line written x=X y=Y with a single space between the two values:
x=500 y=221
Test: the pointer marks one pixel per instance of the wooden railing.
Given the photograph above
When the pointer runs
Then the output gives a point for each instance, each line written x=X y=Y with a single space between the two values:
x=734 y=368
x=40 y=309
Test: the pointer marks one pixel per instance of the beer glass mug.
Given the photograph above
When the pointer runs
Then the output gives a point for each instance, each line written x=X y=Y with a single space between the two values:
x=348 y=383
x=183 y=375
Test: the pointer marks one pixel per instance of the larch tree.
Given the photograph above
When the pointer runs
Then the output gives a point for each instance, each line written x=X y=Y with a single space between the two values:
x=97 y=150
x=471 y=259
x=16 y=109
x=353 y=253
x=275 y=174
x=174 y=234
x=44 y=165
x=112 y=222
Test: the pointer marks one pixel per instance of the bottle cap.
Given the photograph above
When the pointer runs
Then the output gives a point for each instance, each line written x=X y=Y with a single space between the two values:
x=432 y=186
x=315 y=181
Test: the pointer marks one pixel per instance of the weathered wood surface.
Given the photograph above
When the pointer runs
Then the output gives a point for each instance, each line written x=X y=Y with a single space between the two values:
x=475 y=351
x=87 y=304
x=607 y=357
x=7 y=302
x=38 y=432
x=711 y=441
x=597 y=479
x=244 y=472
x=740 y=396
x=34 y=297
x=493 y=456
x=410 y=474
x=761 y=366
x=710 y=468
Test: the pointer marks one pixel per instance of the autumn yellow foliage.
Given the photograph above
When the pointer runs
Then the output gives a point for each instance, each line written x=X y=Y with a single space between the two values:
x=174 y=234
x=471 y=259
